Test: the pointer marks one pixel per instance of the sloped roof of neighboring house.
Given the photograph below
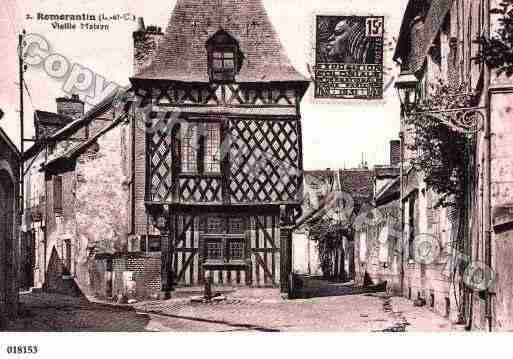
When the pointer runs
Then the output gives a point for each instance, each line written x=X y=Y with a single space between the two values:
x=388 y=193
x=102 y=107
x=386 y=171
x=182 y=54
x=79 y=148
x=357 y=182
x=433 y=21
x=319 y=177
x=10 y=144
x=52 y=118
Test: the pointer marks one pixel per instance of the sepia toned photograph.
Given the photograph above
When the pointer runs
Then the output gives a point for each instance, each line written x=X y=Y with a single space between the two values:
x=167 y=168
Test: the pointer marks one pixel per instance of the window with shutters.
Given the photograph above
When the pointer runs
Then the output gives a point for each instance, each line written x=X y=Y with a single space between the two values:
x=57 y=195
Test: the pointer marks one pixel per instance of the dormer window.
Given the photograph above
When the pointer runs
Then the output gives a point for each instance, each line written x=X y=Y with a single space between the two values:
x=224 y=57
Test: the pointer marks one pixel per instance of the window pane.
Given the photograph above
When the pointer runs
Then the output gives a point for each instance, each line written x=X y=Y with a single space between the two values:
x=223 y=65
x=229 y=64
x=154 y=243
x=236 y=250
x=235 y=225
x=57 y=194
x=189 y=149
x=214 y=225
x=214 y=250
x=212 y=161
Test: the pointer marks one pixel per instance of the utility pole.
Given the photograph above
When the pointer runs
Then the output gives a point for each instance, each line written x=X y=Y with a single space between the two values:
x=22 y=132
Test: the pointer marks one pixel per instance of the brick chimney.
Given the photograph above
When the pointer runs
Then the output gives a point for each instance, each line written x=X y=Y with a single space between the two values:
x=395 y=152
x=70 y=106
x=146 y=42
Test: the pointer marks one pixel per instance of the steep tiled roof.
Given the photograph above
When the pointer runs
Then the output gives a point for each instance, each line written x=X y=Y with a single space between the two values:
x=388 y=193
x=386 y=171
x=316 y=179
x=433 y=19
x=81 y=146
x=357 y=182
x=182 y=55
x=96 y=111
x=73 y=125
x=52 y=118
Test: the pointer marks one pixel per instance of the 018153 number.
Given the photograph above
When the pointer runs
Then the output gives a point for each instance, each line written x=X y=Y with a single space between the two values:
x=22 y=349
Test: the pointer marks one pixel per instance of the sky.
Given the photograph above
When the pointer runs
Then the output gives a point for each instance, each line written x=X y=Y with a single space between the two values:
x=335 y=135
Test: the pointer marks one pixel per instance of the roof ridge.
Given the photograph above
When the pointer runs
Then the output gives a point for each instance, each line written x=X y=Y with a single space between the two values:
x=182 y=54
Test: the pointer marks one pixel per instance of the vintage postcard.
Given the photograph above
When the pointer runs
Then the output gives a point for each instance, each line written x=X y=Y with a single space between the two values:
x=204 y=166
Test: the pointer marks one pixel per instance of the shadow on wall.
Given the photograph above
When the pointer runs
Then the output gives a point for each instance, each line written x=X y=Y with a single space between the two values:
x=58 y=277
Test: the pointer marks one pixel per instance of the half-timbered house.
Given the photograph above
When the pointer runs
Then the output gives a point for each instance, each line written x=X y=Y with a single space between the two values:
x=201 y=177
x=221 y=153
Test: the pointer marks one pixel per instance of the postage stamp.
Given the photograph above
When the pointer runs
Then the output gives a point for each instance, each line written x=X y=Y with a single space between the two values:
x=349 y=57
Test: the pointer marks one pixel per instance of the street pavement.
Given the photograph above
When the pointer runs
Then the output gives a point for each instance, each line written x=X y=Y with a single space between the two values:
x=257 y=310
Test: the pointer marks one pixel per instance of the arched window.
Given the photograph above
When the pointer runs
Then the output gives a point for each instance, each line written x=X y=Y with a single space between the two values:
x=224 y=57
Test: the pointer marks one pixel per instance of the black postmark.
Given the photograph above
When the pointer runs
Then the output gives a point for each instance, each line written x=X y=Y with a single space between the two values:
x=349 y=57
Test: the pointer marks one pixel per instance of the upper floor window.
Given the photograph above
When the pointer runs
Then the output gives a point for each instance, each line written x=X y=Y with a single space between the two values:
x=200 y=149
x=212 y=141
x=190 y=149
x=57 y=195
x=224 y=57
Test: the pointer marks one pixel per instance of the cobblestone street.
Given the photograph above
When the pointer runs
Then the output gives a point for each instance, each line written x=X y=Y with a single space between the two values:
x=244 y=310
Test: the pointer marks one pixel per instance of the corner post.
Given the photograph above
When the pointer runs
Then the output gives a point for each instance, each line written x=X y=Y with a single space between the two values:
x=286 y=223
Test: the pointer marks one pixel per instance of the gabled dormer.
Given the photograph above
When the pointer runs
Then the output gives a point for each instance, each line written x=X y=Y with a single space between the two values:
x=224 y=57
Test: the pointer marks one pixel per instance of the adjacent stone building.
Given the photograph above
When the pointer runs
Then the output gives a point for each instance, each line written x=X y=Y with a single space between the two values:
x=437 y=42
x=76 y=194
x=9 y=228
